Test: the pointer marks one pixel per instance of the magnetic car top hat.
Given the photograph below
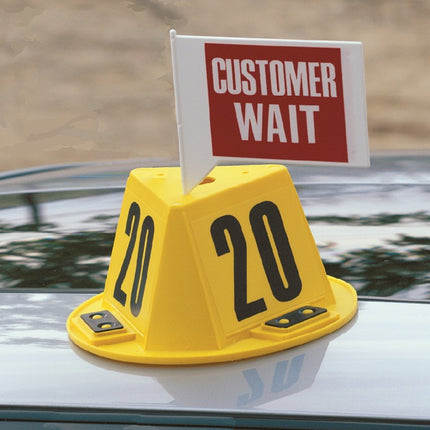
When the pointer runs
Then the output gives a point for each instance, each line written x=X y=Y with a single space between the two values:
x=228 y=271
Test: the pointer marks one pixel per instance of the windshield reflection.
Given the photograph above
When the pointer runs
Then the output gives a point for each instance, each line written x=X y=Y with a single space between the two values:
x=44 y=251
x=401 y=265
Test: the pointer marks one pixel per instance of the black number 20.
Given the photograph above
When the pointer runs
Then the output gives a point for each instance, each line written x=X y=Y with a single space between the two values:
x=230 y=224
x=141 y=273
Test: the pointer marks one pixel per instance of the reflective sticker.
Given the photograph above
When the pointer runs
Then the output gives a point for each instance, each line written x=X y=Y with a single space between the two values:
x=292 y=318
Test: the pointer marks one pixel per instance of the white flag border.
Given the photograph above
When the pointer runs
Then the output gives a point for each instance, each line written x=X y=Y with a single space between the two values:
x=192 y=110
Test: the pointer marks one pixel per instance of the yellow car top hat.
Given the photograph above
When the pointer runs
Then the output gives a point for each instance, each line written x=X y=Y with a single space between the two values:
x=228 y=271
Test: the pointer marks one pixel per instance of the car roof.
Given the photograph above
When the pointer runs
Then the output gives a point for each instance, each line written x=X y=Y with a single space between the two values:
x=374 y=367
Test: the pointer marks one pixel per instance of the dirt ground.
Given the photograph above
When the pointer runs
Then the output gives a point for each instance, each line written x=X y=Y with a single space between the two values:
x=83 y=81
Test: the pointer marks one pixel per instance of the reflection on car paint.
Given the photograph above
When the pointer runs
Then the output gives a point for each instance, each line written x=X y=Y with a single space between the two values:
x=286 y=374
x=245 y=383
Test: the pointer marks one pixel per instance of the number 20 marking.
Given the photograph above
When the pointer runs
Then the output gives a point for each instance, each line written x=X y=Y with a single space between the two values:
x=141 y=273
x=230 y=224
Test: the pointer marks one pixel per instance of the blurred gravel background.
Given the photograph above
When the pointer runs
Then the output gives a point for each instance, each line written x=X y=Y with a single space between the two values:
x=91 y=80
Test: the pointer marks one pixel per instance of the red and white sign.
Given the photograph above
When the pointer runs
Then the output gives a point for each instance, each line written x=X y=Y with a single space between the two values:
x=259 y=99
